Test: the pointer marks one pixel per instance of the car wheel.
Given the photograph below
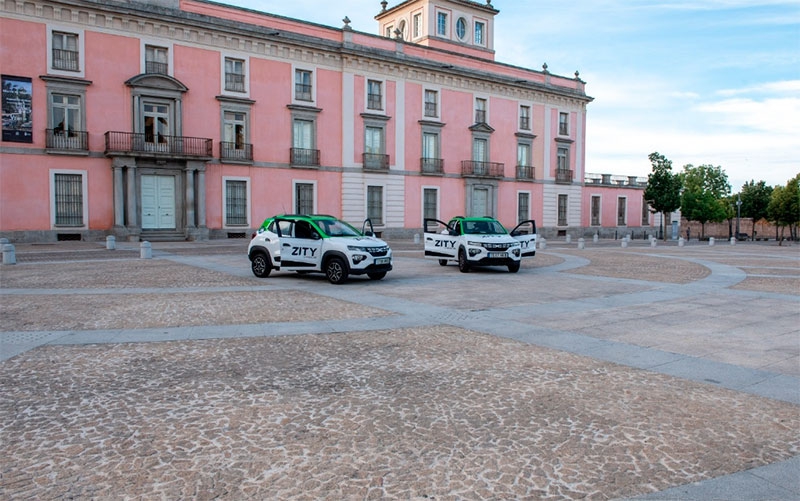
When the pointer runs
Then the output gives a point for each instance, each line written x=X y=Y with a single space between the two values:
x=261 y=265
x=336 y=270
x=376 y=276
x=513 y=267
x=443 y=262
x=463 y=264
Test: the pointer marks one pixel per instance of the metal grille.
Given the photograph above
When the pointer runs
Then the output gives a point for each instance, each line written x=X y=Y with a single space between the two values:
x=236 y=203
x=69 y=199
x=304 y=195
x=523 y=207
x=375 y=204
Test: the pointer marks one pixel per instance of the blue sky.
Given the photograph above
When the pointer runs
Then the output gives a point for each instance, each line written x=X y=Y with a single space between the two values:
x=700 y=81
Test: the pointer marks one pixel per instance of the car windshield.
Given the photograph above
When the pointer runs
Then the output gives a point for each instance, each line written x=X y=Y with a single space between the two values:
x=483 y=228
x=336 y=228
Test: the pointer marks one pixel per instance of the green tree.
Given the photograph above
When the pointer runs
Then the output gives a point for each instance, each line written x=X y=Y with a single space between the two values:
x=705 y=192
x=755 y=199
x=784 y=207
x=663 y=191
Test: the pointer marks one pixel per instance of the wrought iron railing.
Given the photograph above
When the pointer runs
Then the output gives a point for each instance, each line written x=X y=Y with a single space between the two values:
x=482 y=169
x=563 y=176
x=66 y=60
x=374 y=102
x=234 y=82
x=431 y=110
x=480 y=116
x=304 y=156
x=432 y=166
x=302 y=92
x=68 y=140
x=375 y=161
x=156 y=67
x=526 y=172
x=158 y=145
x=236 y=151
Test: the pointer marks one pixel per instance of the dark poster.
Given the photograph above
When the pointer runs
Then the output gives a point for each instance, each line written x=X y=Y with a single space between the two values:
x=17 y=111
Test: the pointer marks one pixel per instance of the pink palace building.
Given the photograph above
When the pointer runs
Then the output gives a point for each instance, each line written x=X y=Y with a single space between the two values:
x=190 y=119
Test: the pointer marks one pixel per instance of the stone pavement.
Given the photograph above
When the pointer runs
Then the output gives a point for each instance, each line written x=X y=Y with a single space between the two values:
x=604 y=373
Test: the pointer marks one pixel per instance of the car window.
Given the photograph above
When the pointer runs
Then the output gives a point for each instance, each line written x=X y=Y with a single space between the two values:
x=336 y=228
x=302 y=229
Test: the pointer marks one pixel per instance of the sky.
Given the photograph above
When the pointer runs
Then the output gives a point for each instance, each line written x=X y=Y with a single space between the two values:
x=700 y=81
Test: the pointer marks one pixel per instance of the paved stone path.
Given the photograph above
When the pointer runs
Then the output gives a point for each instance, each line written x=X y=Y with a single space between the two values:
x=605 y=373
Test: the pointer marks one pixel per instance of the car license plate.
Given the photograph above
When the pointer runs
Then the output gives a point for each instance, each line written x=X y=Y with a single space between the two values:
x=495 y=255
x=383 y=260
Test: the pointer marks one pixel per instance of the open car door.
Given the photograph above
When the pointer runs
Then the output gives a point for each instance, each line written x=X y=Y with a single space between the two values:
x=366 y=229
x=525 y=233
x=440 y=240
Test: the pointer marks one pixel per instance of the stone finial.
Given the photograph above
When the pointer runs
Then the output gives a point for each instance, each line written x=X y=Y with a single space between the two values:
x=544 y=67
x=577 y=75
x=489 y=3
x=346 y=22
x=384 y=3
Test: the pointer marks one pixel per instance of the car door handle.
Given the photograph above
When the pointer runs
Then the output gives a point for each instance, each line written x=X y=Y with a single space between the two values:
x=287 y=245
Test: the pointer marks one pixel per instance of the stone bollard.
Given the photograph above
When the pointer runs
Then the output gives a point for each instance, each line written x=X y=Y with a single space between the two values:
x=542 y=243
x=581 y=243
x=653 y=242
x=9 y=254
x=595 y=238
x=733 y=240
x=711 y=241
x=416 y=239
x=111 y=242
x=146 y=250
x=681 y=242
x=569 y=238
x=624 y=243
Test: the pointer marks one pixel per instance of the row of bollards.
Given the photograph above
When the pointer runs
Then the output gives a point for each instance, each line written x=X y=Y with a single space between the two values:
x=10 y=252
x=542 y=242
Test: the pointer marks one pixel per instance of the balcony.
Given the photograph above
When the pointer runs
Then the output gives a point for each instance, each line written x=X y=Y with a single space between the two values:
x=66 y=60
x=563 y=176
x=156 y=67
x=431 y=166
x=72 y=140
x=304 y=157
x=482 y=169
x=375 y=161
x=237 y=152
x=160 y=146
x=526 y=173
x=234 y=82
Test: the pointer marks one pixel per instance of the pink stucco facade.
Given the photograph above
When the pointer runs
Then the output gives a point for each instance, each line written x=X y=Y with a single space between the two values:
x=197 y=120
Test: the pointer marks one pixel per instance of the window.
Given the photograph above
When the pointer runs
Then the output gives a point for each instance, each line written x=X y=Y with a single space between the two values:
x=374 y=147
x=461 y=28
x=66 y=115
x=234 y=75
x=645 y=213
x=156 y=60
x=479 y=204
x=236 y=202
x=523 y=206
x=389 y=31
x=523 y=155
x=156 y=123
x=441 y=24
x=562 y=159
x=417 y=25
x=431 y=103
x=68 y=203
x=622 y=218
x=374 y=95
x=234 y=143
x=480 y=149
x=431 y=163
x=563 y=124
x=430 y=205
x=66 y=55
x=480 y=31
x=375 y=204
x=562 y=210
x=595 y=210
x=304 y=198
x=66 y=111
x=525 y=118
x=304 y=150
x=480 y=110
x=303 y=85
x=403 y=29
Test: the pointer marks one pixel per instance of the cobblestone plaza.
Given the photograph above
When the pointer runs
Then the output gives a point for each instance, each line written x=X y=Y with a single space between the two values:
x=603 y=373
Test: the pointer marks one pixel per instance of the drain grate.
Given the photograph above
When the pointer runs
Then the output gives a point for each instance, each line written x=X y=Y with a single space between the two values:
x=24 y=337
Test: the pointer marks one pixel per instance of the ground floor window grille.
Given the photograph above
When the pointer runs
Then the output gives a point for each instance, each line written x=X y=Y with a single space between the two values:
x=622 y=218
x=304 y=198
x=375 y=204
x=595 y=211
x=429 y=198
x=236 y=203
x=562 y=210
x=523 y=207
x=69 y=199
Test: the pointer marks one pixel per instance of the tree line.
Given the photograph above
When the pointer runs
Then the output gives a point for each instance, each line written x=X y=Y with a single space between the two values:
x=703 y=194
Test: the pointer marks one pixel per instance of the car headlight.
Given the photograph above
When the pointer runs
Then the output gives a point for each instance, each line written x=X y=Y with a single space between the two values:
x=356 y=248
x=475 y=244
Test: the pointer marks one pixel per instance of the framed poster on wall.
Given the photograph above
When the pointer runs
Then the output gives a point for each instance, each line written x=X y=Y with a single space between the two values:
x=17 y=109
